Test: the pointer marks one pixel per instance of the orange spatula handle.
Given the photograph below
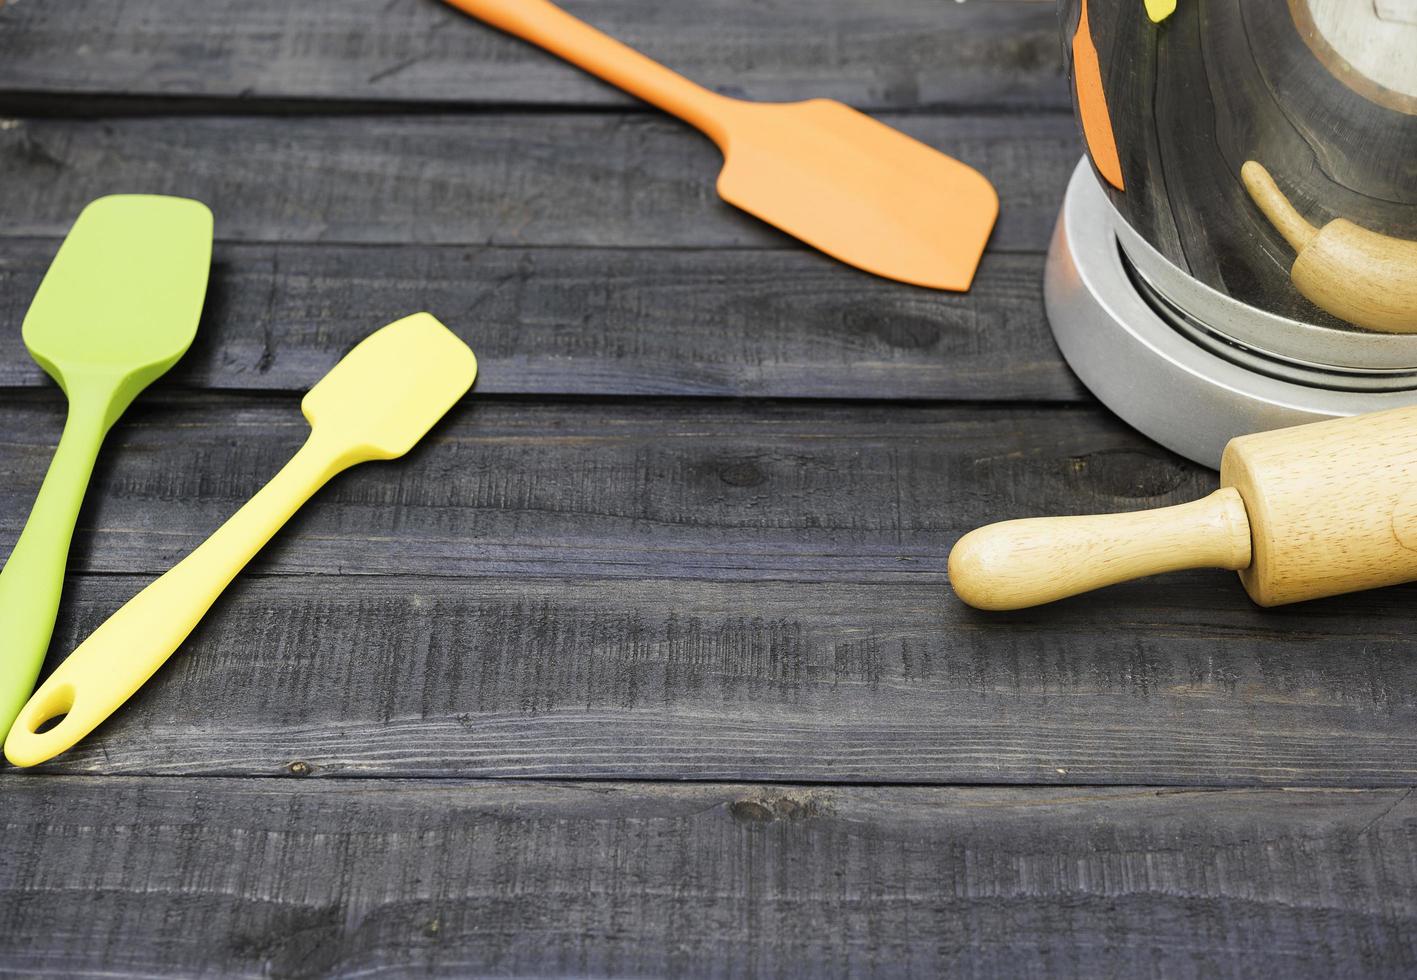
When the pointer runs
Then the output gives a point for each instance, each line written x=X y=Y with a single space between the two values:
x=548 y=26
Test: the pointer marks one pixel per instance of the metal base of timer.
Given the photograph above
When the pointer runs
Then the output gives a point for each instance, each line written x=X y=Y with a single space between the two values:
x=1187 y=365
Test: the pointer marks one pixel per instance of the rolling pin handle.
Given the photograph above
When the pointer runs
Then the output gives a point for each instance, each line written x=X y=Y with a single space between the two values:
x=1266 y=194
x=1024 y=563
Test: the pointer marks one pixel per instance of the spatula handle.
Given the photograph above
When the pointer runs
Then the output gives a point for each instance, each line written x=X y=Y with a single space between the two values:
x=548 y=26
x=128 y=648
x=1024 y=563
x=33 y=576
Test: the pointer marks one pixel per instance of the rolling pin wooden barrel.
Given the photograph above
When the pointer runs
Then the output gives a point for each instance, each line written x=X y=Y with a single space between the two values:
x=1305 y=512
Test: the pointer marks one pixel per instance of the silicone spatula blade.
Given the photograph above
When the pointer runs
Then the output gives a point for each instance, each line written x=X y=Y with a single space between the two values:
x=117 y=308
x=375 y=404
x=838 y=180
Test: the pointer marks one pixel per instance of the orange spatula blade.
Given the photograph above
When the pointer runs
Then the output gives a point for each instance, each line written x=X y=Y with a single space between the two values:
x=859 y=190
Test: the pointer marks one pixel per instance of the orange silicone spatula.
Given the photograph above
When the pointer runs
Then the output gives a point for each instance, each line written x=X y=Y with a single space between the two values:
x=855 y=188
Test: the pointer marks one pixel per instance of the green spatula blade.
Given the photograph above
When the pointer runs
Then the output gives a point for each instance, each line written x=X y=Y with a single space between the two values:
x=122 y=298
x=117 y=308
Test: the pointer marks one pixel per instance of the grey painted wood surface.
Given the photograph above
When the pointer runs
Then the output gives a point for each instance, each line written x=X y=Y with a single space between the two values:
x=502 y=179
x=644 y=488
x=289 y=878
x=715 y=590
x=586 y=574
x=883 y=54
x=849 y=680
x=585 y=321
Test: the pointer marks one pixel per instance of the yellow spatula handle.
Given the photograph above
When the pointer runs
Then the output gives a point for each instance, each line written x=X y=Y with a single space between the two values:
x=119 y=656
x=548 y=26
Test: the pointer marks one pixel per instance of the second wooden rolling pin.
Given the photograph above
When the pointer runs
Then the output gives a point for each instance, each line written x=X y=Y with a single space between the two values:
x=1310 y=511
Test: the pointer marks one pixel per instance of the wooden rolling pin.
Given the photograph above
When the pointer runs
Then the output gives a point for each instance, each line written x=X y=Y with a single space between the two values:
x=1356 y=274
x=1305 y=512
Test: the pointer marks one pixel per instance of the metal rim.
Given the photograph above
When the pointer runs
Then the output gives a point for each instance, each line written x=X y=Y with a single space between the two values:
x=1186 y=396
x=1308 y=344
x=1261 y=362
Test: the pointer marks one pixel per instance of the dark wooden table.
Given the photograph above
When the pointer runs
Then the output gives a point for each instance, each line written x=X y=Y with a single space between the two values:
x=644 y=663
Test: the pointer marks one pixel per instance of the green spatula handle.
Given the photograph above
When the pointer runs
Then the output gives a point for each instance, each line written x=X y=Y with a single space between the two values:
x=128 y=648
x=33 y=576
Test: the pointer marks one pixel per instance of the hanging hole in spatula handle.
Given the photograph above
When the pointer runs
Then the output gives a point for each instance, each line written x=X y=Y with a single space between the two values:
x=44 y=727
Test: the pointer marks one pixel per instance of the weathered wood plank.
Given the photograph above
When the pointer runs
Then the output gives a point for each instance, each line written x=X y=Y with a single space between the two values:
x=283 y=878
x=607 y=321
x=646 y=488
x=498 y=675
x=896 y=54
x=588 y=179
x=713 y=590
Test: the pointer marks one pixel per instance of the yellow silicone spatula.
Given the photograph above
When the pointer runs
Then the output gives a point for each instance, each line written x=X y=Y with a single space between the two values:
x=117 y=308
x=375 y=404
x=837 y=179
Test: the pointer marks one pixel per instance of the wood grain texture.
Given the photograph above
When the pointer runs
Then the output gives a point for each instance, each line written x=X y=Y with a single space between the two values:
x=885 y=54
x=1331 y=505
x=1021 y=563
x=629 y=586
x=504 y=179
x=508 y=674
x=586 y=321
x=286 y=879
x=715 y=590
x=730 y=490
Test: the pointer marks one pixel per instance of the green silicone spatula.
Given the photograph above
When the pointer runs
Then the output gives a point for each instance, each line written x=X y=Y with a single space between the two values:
x=117 y=308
